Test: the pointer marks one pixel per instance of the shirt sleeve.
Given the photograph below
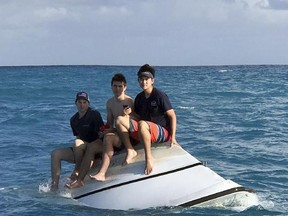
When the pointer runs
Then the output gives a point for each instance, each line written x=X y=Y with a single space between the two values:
x=165 y=102
x=72 y=127
x=98 y=120
x=136 y=104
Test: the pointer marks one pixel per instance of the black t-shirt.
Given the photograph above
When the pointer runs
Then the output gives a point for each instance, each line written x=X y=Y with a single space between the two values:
x=87 y=127
x=153 y=108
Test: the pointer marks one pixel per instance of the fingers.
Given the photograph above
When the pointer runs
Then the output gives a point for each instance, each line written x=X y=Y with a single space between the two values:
x=174 y=143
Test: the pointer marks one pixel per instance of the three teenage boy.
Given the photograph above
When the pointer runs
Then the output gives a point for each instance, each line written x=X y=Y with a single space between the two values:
x=150 y=120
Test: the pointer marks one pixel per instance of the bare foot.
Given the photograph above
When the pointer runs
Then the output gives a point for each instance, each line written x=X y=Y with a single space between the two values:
x=149 y=167
x=75 y=184
x=130 y=157
x=98 y=177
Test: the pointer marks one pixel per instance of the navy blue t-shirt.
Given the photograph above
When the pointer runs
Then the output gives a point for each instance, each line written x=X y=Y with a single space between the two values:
x=153 y=108
x=87 y=127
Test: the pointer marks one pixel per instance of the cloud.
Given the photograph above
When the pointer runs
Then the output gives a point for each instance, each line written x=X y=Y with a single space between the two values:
x=273 y=4
x=162 y=32
x=51 y=13
x=111 y=11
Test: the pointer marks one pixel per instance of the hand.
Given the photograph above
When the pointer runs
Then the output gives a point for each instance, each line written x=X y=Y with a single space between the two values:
x=127 y=110
x=104 y=128
x=174 y=142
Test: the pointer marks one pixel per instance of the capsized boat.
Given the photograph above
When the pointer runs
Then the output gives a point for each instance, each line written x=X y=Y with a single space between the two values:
x=177 y=179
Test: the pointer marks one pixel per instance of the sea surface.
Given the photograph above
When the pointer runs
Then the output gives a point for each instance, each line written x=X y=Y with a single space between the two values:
x=232 y=117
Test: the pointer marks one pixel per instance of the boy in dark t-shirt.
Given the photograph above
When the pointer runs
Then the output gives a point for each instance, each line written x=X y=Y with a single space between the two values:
x=157 y=119
x=154 y=107
x=117 y=105
x=85 y=126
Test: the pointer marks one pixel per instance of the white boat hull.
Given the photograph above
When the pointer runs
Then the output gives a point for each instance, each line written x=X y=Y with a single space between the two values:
x=178 y=179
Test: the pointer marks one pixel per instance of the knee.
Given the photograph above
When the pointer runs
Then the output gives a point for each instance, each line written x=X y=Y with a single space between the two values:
x=78 y=143
x=122 y=121
x=107 y=140
x=119 y=121
x=56 y=154
x=93 y=148
x=143 y=126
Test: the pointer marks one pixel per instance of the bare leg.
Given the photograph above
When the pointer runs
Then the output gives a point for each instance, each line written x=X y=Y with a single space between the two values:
x=92 y=149
x=110 y=140
x=57 y=156
x=79 y=150
x=145 y=138
x=122 y=125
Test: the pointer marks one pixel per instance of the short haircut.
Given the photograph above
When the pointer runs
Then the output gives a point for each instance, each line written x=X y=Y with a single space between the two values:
x=118 y=77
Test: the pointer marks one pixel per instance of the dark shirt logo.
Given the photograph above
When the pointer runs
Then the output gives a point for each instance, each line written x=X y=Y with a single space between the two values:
x=153 y=103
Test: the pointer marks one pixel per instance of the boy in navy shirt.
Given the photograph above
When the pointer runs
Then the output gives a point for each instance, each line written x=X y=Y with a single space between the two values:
x=157 y=119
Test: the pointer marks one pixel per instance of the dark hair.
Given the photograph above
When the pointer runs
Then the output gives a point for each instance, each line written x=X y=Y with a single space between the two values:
x=118 y=77
x=146 y=68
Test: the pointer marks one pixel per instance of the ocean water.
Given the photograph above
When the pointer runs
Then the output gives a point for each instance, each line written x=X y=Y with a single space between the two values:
x=232 y=117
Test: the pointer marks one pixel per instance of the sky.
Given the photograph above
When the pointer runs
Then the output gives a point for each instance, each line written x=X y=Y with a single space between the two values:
x=135 y=32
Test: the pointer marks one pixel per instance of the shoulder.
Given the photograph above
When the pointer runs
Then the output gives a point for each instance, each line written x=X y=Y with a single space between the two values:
x=156 y=90
x=159 y=93
x=139 y=95
x=110 y=100
x=128 y=99
x=93 y=111
x=163 y=99
x=74 y=116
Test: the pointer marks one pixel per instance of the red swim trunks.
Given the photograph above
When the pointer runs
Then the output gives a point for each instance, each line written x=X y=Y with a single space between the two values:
x=158 y=133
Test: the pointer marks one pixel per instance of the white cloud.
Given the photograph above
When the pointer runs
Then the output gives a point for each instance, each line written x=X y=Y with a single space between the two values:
x=51 y=13
x=274 y=4
x=108 y=11
x=130 y=32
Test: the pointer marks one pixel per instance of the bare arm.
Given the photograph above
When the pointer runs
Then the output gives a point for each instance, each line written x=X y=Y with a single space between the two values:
x=173 y=123
x=110 y=119
x=131 y=111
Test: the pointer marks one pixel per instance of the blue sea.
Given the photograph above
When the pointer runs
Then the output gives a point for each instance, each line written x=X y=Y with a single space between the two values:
x=232 y=117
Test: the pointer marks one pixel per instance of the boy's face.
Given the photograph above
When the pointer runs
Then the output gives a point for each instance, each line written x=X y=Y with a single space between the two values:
x=82 y=105
x=145 y=82
x=118 y=88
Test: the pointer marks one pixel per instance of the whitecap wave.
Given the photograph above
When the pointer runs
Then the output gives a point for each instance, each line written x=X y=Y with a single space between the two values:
x=186 y=107
x=44 y=187
x=224 y=70
x=235 y=202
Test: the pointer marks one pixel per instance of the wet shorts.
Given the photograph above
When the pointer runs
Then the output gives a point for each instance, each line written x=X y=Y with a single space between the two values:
x=158 y=133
